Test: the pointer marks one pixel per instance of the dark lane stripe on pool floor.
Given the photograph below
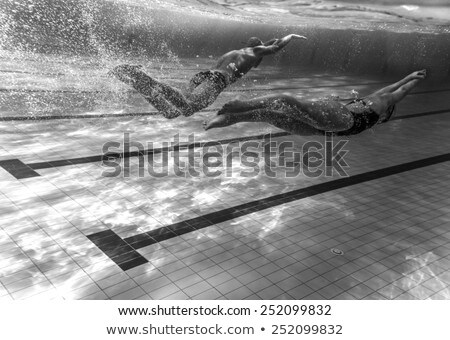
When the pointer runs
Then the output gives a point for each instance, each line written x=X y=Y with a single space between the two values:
x=18 y=169
x=142 y=114
x=99 y=158
x=124 y=250
x=21 y=170
x=239 y=89
x=80 y=116
x=27 y=170
x=420 y=114
x=117 y=249
x=231 y=90
x=155 y=113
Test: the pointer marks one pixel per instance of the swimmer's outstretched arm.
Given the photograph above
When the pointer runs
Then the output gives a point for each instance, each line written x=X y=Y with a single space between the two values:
x=270 y=42
x=276 y=45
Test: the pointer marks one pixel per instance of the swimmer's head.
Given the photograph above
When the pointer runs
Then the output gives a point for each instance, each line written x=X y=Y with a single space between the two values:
x=254 y=41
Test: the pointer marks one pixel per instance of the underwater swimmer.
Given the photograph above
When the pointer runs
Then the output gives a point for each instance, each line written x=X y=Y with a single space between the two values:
x=204 y=87
x=306 y=117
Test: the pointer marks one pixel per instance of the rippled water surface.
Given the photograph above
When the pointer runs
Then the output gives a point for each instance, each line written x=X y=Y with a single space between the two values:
x=430 y=15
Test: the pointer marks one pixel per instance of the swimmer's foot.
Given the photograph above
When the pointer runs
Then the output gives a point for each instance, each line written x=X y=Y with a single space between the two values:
x=125 y=73
x=221 y=120
x=233 y=106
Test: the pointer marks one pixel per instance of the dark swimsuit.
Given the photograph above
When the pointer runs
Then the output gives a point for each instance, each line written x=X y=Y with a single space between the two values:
x=361 y=121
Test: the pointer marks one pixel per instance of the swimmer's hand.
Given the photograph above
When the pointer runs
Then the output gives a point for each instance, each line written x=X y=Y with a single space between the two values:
x=296 y=36
x=419 y=74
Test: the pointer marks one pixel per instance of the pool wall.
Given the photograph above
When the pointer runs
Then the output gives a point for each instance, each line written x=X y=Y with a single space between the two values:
x=116 y=29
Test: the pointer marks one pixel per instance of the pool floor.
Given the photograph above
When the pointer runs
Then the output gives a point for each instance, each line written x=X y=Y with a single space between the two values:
x=379 y=231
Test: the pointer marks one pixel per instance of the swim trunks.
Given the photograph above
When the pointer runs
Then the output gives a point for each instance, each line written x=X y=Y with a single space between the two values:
x=219 y=80
x=361 y=121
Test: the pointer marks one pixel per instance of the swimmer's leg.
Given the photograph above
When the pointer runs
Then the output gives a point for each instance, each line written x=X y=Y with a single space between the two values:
x=204 y=95
x=270 y=101
x=149 y=88
x=279 y=119
x=326 y=115
x=167 y=109
x=382 y=102
x=394 y=87
x=195 y=81
x=401 y=92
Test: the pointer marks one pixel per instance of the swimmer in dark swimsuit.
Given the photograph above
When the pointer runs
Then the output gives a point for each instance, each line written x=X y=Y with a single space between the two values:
x=317 y=117
x=205 y=86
